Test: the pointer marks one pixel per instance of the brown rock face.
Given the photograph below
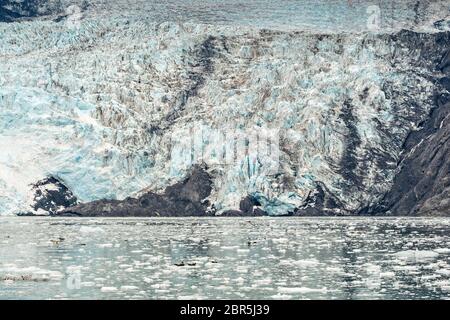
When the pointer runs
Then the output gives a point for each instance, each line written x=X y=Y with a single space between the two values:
x=181 y=199
x=422 y=186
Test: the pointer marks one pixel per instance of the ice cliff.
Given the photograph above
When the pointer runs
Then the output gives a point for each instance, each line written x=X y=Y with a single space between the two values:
x=119 y=108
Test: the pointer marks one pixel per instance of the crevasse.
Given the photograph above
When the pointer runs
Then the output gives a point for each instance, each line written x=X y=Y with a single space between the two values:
x=109 y=108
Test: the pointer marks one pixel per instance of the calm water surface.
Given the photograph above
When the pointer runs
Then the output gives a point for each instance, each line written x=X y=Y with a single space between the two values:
x=224 y=258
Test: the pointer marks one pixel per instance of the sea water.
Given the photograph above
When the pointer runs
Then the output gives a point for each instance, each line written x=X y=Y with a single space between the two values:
x=225 y=258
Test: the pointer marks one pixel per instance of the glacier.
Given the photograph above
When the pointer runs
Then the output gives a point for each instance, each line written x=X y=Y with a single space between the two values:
x=118 y=105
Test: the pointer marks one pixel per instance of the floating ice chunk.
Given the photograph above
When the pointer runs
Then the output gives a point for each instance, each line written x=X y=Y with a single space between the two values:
x=444 y=272
x=160 y=286
x=280 y=296
x=108 y=289
x=416 y=255
x=239 y=280
x=88 y=284
x=105 y=245
x=88 y=229
x=41 y=212
x=305 y=263
x=147 y=280
x=229 y=247
x=387 y=274
x=301 y=290
x=410 y=269
x=128 y=288
x=242 y=269
x=13 y=273
x=99 y=279
x=263 y=282
x=445 y=288
x=334 y=269
x=442 y=250
x=192 y=297
x=280 y=240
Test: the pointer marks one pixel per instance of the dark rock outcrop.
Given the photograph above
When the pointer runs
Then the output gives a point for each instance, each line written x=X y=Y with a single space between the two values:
x=349 y=161
x=248 y=204
x=50 y=195
x=422 y=184
x=233 y=213
x=422 y=187
x=248 y=207
x=7 y=15
x=186 y=198
x=444 y=66
x=200 y=69
x=442 y=24
x=17 y=10
x=320 y=203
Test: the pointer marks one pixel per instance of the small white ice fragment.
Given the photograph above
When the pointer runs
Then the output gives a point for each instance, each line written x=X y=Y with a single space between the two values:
x=442 y=250
x=128 y=288
x=416 y=255
x=301 y=290
x=87 y=229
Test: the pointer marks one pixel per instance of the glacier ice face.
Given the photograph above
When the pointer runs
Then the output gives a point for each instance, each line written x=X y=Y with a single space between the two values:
x=310 y=15
x=120 y=106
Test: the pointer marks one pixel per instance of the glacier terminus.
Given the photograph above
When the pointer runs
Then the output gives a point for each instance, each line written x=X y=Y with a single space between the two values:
x=116 y=108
